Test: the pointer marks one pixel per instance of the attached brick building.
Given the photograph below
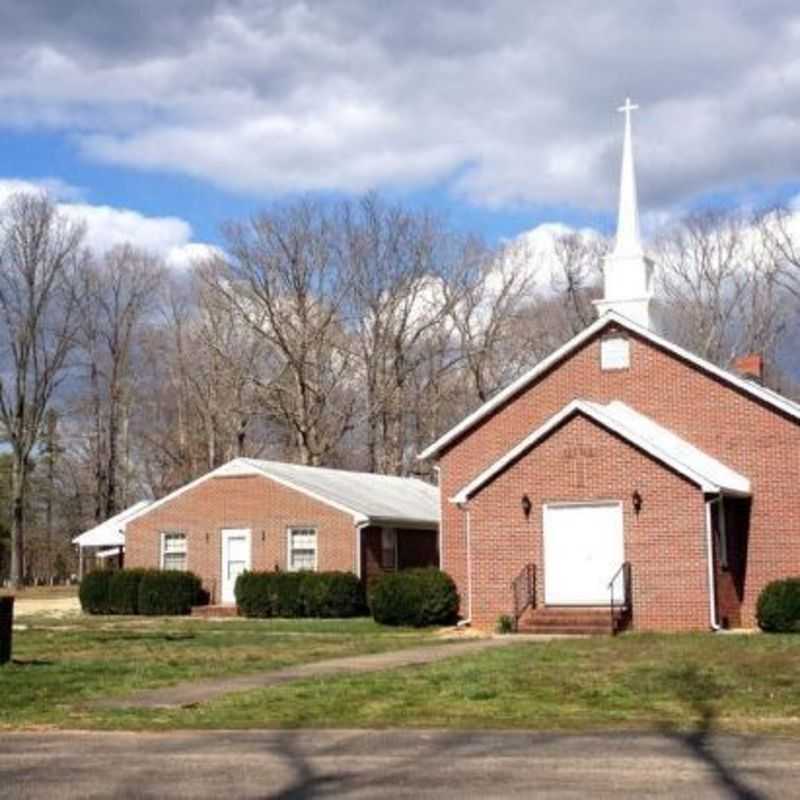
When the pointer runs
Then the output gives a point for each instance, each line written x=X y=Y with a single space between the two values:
x=265 y=515
x=622 y=472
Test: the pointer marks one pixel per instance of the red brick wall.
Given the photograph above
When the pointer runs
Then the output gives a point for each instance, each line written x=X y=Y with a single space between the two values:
x=665 y=543
x=740 y=431
x=253 y=502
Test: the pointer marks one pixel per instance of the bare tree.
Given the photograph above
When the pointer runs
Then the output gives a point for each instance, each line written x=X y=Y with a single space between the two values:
x=39 y=253
x=576 y=277
x=496 y=287
x=117 y=294
x=399 y=265
x=722 y=285
x=231 y=367
x=286 y=281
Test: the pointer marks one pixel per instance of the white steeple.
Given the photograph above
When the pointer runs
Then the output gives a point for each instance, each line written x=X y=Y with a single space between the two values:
x=627 y=272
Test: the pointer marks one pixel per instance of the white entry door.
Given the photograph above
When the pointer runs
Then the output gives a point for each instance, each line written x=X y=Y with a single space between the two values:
x=583 y=548
x=235 y=559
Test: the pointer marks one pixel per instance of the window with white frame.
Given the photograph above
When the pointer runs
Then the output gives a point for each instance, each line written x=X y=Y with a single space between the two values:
x=389 y=548
x=302 y=549
x=173 y=551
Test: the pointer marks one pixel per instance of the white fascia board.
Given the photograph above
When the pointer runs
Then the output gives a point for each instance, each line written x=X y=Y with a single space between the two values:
x=765 y=395
x=498 y=466
x=513 y=388
x=592 y=412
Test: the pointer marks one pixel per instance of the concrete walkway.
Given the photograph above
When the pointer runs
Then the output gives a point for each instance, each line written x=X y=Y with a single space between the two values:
x=196 y=692
x=417 y=765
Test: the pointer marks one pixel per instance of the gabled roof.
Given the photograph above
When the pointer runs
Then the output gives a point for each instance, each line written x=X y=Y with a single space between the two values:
x=110 y=533
x=365 y=496
x=711 y=475
x=767 y=396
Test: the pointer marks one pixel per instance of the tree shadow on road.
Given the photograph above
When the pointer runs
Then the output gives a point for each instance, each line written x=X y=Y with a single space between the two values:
x=698 y=689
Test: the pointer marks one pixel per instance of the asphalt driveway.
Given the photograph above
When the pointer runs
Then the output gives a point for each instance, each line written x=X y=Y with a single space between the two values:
x=404 y=764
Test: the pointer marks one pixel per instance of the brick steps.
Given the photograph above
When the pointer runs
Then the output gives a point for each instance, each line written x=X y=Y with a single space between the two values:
x=584 y=621
x=211 y=612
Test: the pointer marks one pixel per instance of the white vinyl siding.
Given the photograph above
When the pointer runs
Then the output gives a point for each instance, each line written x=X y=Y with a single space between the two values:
x=174 y=551
x=302 y=549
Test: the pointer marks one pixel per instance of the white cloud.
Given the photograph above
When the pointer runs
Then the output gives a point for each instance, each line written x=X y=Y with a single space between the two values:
x=511 y=102
x=533 y=254
x=167 y=237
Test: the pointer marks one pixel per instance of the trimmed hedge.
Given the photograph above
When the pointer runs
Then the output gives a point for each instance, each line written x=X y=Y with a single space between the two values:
x=168 y=592
x=299 y=594
x=123 y=591
x=417 y=597
x=140 y=591
x=778 y=607
x=93 y=592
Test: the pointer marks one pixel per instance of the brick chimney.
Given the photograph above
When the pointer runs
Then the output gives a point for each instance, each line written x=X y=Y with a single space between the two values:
x=750 y=366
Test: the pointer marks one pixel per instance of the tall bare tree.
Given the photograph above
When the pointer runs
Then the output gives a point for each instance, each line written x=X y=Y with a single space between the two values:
x=39 y=254
x=399 y=265
x=721 y=284
x=287 y=283
x=117 y=294
x=577 y=275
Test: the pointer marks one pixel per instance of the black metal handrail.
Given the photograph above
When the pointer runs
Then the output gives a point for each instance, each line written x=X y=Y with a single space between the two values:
x=524 y=590
x=620 y=613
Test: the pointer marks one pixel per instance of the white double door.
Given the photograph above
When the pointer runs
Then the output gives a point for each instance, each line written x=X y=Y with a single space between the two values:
x=236 y=558
x=583 y=549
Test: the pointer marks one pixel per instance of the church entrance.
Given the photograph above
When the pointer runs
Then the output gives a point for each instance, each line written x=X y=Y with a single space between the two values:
x=583 y=549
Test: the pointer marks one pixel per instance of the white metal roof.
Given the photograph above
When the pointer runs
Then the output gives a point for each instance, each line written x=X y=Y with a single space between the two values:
x=697 y=466
x=365 y=496
x=767 y=396
x=110 y=533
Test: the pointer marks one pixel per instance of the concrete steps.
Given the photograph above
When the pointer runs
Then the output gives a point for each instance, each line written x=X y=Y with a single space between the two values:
x=584 y=621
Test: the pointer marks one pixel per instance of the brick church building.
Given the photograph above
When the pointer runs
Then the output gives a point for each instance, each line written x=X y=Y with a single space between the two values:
x=622 y=478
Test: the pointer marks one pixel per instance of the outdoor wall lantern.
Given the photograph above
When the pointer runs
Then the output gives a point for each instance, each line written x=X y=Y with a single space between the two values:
x=526 y=506
x=636 y=499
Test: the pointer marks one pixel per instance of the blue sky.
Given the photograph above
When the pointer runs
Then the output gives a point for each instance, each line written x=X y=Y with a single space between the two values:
x=160 y=121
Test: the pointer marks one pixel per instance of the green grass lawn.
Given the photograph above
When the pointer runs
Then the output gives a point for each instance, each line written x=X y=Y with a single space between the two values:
x=59 y=665
x=654 y=682
x=638 y=682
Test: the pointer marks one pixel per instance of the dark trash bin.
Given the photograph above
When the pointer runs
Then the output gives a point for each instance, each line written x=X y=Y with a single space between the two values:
x=6 y=620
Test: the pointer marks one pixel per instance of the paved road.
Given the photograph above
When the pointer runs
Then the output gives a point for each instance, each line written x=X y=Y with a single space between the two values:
x=403 y=764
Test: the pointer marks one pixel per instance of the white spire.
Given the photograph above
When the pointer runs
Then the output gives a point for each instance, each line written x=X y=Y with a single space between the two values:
x=629 y=240
x=627 y=272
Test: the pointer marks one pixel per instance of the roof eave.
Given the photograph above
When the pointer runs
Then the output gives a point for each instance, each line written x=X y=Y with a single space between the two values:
x=773 y=399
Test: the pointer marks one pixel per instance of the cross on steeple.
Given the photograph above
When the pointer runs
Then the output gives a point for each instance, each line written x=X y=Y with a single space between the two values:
x=627 y=108
x=627 y=272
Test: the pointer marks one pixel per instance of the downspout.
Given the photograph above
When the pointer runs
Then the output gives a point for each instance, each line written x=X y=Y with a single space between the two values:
x=439 y=537
x=468 y=619
x=712 y=582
